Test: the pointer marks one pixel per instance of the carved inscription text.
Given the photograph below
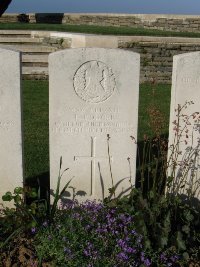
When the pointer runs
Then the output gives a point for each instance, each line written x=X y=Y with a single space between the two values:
x=100 y=120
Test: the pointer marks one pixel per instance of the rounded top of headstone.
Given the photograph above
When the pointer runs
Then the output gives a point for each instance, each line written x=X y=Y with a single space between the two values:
x=187 y=55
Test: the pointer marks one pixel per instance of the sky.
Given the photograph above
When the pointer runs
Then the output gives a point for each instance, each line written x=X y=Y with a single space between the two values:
x=189 y=7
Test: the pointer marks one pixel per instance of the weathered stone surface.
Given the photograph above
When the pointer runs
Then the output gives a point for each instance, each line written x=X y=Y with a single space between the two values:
x=93 y=93
x=185 y=129
x=11 y=162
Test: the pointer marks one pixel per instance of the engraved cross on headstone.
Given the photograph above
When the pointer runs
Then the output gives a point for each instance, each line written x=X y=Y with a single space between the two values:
x=93 y=159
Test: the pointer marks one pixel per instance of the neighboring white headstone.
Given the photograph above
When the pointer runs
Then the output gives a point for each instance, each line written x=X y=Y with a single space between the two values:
x=11 y=167
x=185 y=88
x=93 y=93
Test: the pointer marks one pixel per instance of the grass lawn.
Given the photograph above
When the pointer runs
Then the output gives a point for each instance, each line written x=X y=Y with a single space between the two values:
x=95 y=29
x=36 y=132
x=36 y=127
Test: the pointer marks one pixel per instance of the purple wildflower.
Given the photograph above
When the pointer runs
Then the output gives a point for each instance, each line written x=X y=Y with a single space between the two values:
x=121 y=243
x=147 y=262
x=122 y=256
x=163 y=257
x=130 y=250
x=133 y=232
x=88 y=250
x=174 y=258
x=33 y=230
x=142 y=257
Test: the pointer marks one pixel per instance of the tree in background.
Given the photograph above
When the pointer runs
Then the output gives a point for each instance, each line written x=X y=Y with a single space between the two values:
x=4 y=5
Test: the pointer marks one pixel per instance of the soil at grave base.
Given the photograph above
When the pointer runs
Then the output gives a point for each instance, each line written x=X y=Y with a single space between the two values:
x=193 y=264
x=20 y=254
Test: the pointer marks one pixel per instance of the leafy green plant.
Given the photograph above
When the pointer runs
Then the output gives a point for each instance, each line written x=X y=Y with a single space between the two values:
x=58 y=195
x=23 y=216
x=183 y=166
x=16 y=220
x=166 y=218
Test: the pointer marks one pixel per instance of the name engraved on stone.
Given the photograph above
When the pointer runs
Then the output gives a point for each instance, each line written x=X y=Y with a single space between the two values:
x=93 y=158
x=94 y=82
x=6 y=125
x=190 y=80
x=95 y=117
x=93 y=120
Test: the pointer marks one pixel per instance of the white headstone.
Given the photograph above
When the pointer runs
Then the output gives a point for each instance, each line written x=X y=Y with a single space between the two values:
x=11 y=167
x=186 y=127
x=93 y=93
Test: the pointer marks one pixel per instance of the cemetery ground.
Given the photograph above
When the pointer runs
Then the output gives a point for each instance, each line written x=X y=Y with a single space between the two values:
x=91 y=29
x=145 y=228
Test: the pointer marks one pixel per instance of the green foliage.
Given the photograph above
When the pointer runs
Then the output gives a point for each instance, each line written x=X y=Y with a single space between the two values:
x=58 y=195
x=23 y=217
x=166 y=220
x=19 y=218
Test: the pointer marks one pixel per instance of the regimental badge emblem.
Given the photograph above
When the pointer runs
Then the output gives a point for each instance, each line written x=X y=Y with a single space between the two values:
x=94 y=81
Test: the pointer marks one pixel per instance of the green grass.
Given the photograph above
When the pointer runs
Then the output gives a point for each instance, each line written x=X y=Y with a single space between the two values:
x=95 y=29
x=36 y=127
x=158 y=95
x=36 y=133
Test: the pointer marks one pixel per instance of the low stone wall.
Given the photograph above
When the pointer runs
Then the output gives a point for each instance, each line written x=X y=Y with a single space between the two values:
x=190 y=23
x=156 y=52
x=157 y=55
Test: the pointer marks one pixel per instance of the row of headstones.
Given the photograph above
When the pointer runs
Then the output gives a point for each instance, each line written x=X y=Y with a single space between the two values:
x=93 y=112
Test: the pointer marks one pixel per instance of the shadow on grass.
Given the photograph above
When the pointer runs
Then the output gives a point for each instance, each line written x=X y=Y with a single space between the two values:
x=151 y=166
x=42 y=183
